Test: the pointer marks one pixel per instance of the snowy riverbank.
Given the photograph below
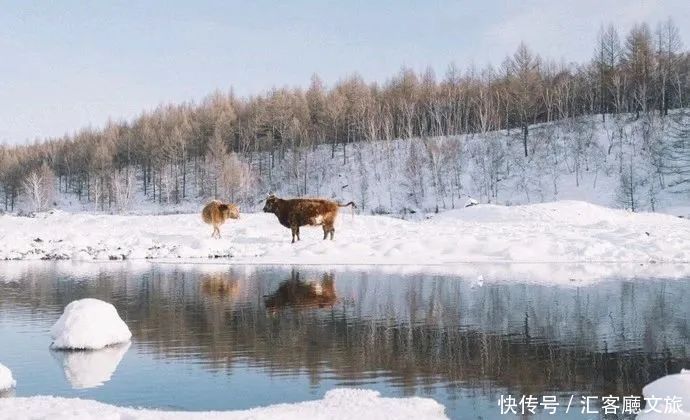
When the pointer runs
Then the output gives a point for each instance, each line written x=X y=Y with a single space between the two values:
x=559 y=232
x=336 y=404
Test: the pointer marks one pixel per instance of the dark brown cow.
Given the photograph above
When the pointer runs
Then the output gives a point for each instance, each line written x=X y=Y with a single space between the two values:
x=305 y=212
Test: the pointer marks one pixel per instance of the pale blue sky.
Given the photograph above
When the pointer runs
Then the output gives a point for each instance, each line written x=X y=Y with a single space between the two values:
x=68 y=64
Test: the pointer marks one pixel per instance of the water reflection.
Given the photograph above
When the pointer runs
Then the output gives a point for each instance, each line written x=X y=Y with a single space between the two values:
x=409 y=333
x=297 y=293
x=90 y=368
x=219 y=285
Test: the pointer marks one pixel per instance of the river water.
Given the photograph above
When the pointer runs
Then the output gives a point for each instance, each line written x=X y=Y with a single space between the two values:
x=218 y=337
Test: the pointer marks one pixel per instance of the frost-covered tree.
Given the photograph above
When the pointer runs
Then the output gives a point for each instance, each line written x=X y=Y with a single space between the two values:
x=432 y=147
x=489 y=158
x=676 y=153
x=216 y=153
x=235 y=179
x=123 y=184
x=453 y=166
x=414 y=175
x=637 y=189
x=631 y=187
x=39 y=187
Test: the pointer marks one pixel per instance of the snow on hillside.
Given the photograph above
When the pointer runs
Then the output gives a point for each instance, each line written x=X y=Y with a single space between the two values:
x=560 y=232
x=336 y=404
x=578 y=159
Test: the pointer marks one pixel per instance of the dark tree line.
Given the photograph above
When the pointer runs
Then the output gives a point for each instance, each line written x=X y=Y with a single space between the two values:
x=222 y=144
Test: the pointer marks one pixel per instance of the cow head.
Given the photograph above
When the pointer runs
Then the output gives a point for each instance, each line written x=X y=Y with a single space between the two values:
x=229 y=211
x=271 y=204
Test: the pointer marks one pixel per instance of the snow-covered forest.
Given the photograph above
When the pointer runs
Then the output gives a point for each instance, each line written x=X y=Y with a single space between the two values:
x=613 y=131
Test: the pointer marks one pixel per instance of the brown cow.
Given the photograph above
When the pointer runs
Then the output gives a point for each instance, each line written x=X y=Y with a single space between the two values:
x=305 y=212
x=216 y=213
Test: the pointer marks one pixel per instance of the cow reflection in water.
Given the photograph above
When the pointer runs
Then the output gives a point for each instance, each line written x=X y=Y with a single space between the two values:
x=219 y=285
x=297 y=293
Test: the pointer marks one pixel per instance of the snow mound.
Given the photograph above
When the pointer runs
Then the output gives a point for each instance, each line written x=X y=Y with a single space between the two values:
x=93 y=368
x=670 y=386
x=6 y=379
x=89 y=324
x=336 y=404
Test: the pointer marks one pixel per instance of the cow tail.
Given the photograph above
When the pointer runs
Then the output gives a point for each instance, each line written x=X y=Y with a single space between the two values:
x=352 y=209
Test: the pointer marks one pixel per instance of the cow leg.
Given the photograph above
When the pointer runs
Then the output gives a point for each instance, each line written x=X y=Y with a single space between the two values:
x=298 y=233
x=328 y=228
x=294 y=233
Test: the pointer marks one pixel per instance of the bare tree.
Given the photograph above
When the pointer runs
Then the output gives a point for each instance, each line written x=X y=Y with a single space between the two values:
x=124 y=189
x=39 y=187
x=525 y=79
x=668 y=45
x=235 y=179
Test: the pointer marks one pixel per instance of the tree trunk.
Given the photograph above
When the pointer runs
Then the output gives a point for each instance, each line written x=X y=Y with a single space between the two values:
x=525 y=132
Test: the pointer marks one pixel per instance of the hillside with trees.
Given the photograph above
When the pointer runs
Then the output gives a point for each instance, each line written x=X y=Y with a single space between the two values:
x=509 y=134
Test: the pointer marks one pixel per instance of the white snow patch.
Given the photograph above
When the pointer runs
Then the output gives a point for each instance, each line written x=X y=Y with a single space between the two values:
x=91 y=368
x=670 y=386
x=89 y=324
x=336 y=404
x=6 y=379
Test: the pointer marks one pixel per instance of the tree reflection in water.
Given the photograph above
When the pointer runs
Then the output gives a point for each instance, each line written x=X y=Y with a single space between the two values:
x=408 y=331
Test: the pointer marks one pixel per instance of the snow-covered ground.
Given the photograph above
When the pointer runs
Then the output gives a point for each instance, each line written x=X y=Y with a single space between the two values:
x=559 y=232
x=336 y=404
